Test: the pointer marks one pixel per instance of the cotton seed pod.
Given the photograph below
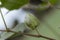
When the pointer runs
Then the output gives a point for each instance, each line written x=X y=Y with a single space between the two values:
x=31 y=21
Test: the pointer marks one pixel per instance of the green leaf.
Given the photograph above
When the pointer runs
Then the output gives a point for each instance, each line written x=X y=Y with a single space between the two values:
x=53 y=1
x=13 y=4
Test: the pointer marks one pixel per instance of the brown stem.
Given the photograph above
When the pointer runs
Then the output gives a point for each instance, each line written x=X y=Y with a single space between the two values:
x=39 y=36
x=3 y=20
x=28 y=34
x=8 y=31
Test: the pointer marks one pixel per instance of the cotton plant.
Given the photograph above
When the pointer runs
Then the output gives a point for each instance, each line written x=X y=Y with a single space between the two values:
x=25 y=16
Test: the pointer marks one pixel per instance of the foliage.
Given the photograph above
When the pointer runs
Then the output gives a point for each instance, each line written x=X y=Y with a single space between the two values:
x=13 y=4
x=53 y=1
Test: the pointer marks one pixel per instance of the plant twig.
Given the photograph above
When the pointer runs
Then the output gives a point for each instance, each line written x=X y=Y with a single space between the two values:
x=38 y=36
x=3 y=20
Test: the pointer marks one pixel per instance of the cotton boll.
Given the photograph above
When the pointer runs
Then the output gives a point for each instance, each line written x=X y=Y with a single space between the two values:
x=10 y=18
x=18 y=15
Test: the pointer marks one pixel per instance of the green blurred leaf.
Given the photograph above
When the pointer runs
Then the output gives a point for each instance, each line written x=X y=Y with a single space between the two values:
x=53 y=1
x=13 y=4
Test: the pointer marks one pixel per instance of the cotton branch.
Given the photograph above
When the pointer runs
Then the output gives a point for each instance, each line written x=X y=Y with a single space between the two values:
x=3 y=20
x=32 y=35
